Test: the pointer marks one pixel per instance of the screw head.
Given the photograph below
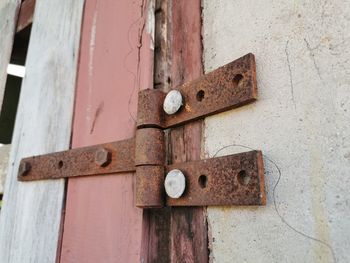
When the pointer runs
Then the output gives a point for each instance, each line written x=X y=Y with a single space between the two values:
x=102 y=157
x=175 y=183
x=172 y=102
x=24 y=168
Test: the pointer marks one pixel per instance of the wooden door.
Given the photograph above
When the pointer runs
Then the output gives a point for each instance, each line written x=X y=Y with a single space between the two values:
x=116 y=61
x=94 y=219
x=31 y=213
x=101 y=223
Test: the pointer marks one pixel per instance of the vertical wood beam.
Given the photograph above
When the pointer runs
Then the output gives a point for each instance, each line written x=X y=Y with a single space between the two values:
x=178 y=234
x=8 y=20
x=188 y=224
x=31 y=215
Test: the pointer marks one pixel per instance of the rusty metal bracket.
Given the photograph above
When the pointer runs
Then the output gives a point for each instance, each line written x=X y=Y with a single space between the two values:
x=236 y=179
x=114 y=157
x=225 y=88
x=230 y=180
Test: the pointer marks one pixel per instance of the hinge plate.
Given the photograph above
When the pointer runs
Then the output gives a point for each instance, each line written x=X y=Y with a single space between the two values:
x=228 y=87
x=230 y=180
x=120 y=157
x=236 y=179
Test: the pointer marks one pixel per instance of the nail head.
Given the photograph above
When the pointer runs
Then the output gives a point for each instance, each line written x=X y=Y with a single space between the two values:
x=172 y=102
x=175 y=183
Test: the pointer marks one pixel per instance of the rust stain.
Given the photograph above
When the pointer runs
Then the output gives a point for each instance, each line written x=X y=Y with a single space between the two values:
x=230 y=180
x=227 y=87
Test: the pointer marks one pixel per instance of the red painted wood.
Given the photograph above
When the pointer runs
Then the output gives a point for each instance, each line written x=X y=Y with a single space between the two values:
x=116 y=60
x=25 y=16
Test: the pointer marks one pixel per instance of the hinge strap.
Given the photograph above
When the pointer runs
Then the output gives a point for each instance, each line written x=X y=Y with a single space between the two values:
x=225 y=88
x=230 y=180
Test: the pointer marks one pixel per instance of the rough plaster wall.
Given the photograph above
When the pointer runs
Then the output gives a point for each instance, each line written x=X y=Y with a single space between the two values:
x=301 y=122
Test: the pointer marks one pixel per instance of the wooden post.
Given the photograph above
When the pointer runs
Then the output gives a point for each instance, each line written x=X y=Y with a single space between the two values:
x=188 y=225
x=8 y=20
x=178 y=234
x=31 y=215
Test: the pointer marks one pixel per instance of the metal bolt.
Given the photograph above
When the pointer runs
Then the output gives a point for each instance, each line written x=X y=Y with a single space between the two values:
x=102 y=157
x=175 y=183
x=172 y=102
x=24 y=168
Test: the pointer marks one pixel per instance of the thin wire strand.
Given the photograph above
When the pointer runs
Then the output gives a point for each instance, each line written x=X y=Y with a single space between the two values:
x=275 y=202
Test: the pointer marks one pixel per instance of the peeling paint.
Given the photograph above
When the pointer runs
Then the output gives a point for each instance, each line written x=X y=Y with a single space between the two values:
x=92 y=44
x=151 y=22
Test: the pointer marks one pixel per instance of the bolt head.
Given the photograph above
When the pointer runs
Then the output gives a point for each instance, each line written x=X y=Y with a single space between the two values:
x=172 y=102
x=24 y=168
x=102 y=157
x=175 y=183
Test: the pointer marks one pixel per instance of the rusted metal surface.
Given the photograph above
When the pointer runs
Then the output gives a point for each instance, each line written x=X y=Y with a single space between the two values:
x=230 y=180
x=24 y=168
x=150 y=149
x=150 y=108
x=149 y=190
x=100 y=159
x=227 y=87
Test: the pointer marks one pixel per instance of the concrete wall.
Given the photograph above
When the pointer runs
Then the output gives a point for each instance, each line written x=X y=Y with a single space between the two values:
x=301 y=122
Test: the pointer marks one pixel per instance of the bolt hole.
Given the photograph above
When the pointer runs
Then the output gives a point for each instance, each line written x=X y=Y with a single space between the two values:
x=202 y=181
x=237 y=79
x=243 y=178
x=200 y=95
x=60 y=164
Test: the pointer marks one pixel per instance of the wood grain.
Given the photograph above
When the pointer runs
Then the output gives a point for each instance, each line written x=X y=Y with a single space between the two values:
x=8 y=19
x=30 y=218
x=179 y=234
x=102 y=223
x=155 y=246
x=188 y=225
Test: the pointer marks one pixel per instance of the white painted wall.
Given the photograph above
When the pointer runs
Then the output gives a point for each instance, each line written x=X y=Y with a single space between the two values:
x=301 y=122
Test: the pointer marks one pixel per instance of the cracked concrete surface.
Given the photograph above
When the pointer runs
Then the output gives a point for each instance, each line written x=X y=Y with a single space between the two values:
x=301 y=122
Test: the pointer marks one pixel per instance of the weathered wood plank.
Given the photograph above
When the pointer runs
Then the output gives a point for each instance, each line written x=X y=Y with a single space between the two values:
x=188 y=225
x=8 y=19
x=26 y=13
x=116 y=60
x=30 y=218
x=179 y=234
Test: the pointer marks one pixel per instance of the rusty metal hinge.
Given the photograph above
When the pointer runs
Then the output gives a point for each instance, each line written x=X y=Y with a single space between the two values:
x=230 y=180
